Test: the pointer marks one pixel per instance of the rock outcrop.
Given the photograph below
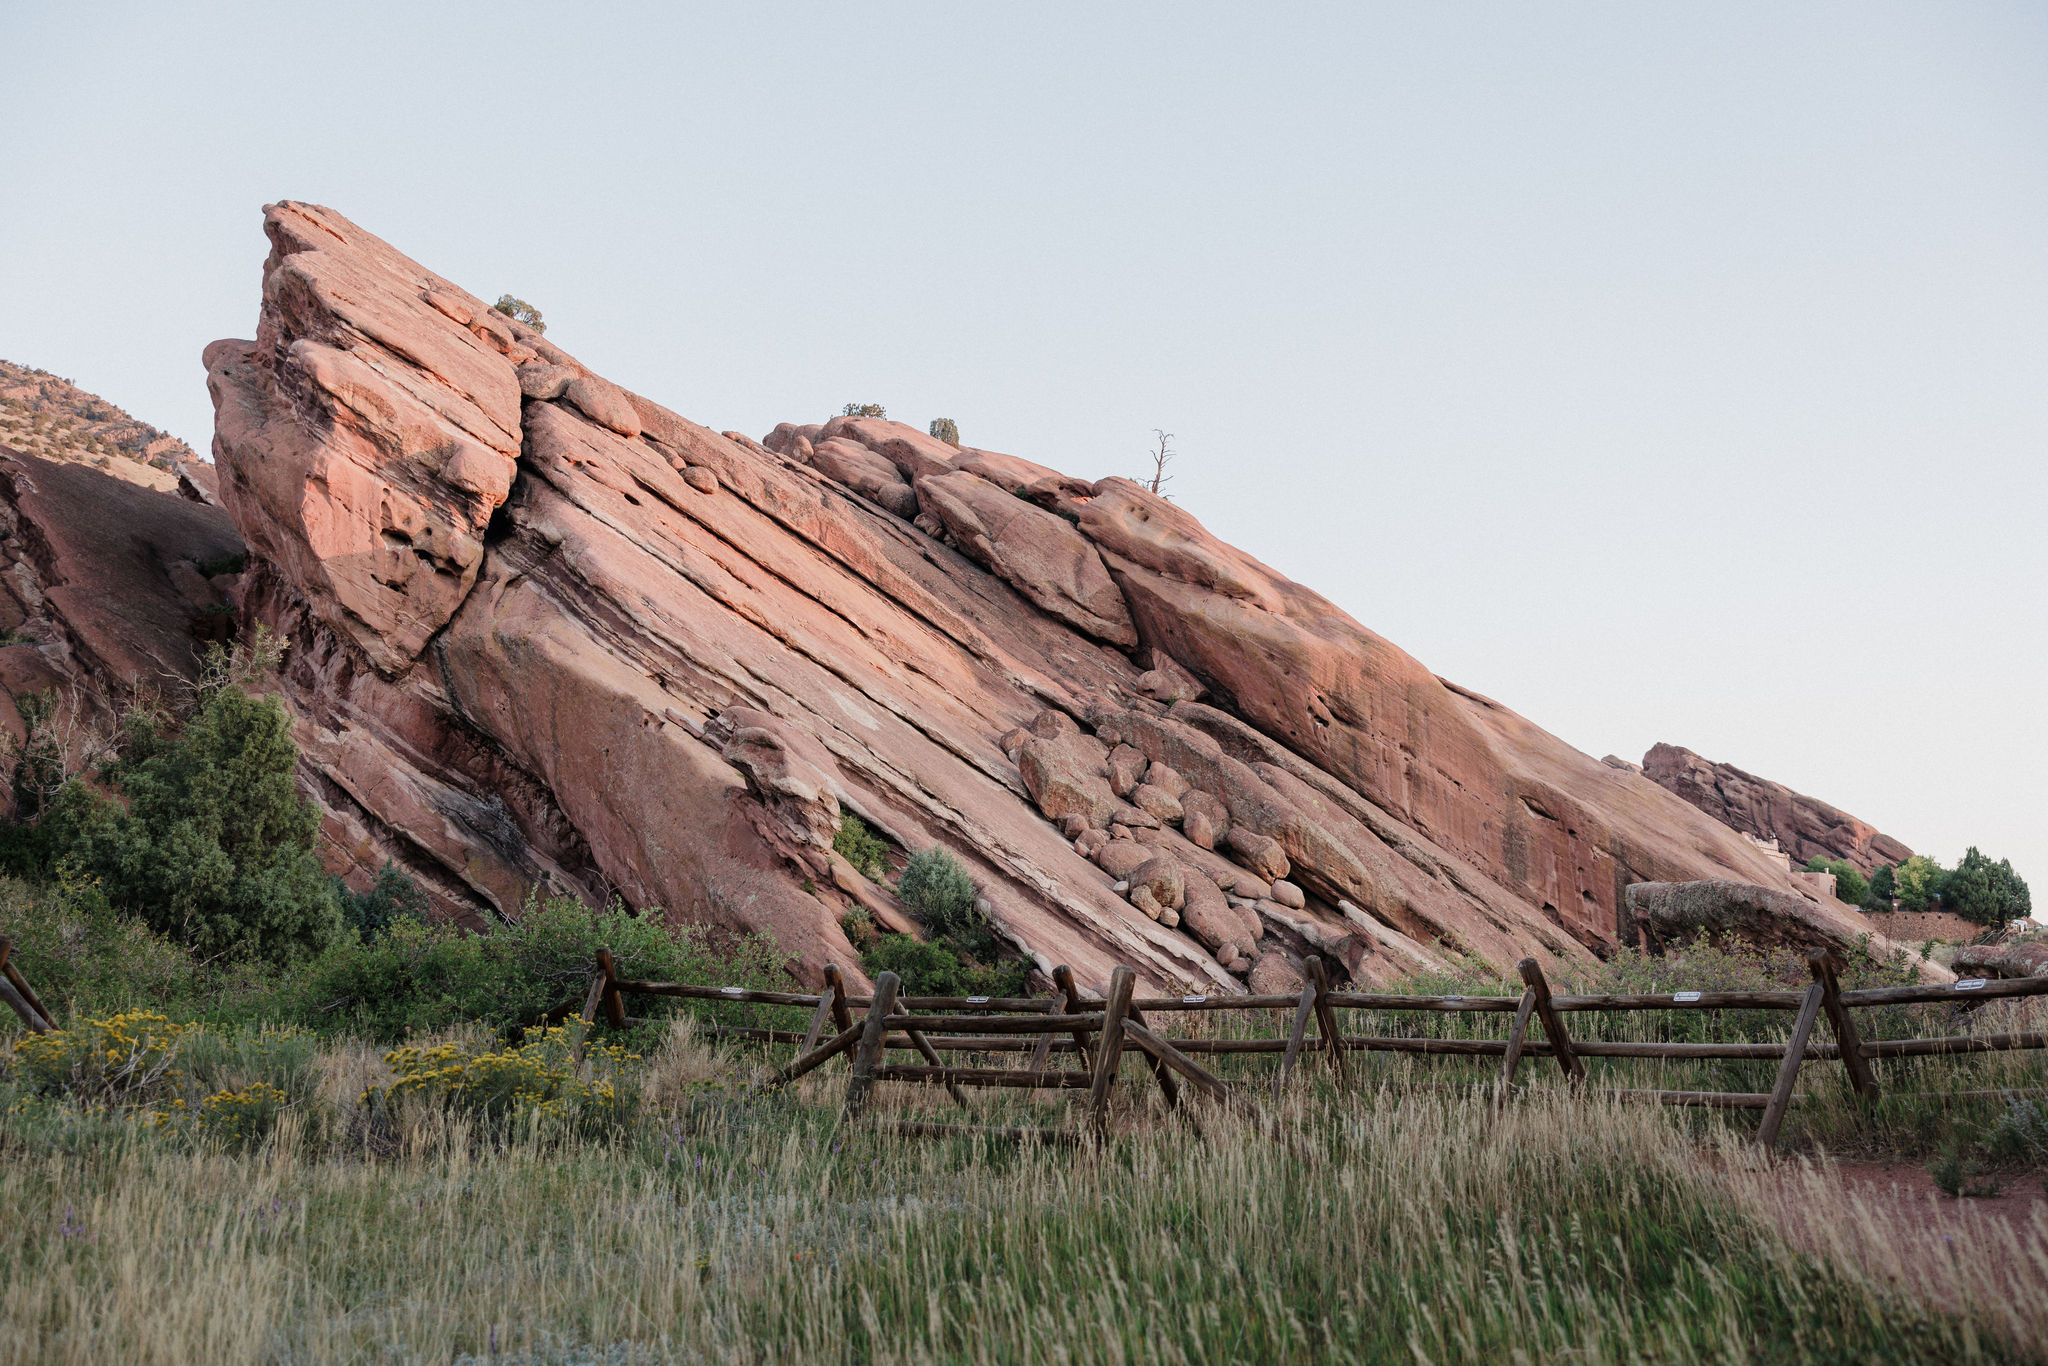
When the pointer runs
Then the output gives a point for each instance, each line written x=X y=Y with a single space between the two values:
x=546 y=630
x=2002 y=960
x=1660 y=915
x=109 y=591
x=1804 y=827
x=52 y=419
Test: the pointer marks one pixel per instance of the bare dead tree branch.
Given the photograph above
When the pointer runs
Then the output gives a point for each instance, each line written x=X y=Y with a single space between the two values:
x=1160 y=459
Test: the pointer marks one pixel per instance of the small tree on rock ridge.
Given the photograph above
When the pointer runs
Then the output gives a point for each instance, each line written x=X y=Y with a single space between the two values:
x=520 y=311
x=1160 y=459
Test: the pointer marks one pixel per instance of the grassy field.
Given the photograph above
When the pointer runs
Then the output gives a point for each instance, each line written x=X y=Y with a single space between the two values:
x=662 y=1210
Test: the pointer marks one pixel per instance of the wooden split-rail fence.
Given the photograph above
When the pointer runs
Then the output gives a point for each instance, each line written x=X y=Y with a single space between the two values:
x=17 y=993
x=1098 y=1033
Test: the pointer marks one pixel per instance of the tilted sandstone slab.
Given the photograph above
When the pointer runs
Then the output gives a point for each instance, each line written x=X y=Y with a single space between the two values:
x=547 y=631
x=1804 y=827
x=109 y=591
x=1034 y=551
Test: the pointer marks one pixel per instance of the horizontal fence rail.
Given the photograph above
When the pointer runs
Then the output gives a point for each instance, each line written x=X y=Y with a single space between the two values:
x=1095 y=1034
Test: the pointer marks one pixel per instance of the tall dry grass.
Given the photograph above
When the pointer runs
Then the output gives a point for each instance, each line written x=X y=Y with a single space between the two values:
x=737 y=1227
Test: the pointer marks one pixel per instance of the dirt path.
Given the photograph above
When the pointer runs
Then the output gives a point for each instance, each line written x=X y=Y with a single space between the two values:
x=1890 y=1221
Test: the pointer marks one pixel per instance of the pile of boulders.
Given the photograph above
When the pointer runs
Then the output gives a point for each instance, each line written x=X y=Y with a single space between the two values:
x=1170 y=846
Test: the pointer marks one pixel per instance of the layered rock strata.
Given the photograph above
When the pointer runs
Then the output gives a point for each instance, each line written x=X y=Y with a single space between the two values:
x=109 y=591
x=1804 y=827
x=548 y=631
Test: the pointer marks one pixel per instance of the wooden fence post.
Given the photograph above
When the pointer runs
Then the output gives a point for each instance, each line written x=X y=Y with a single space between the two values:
x=1844 y=1028
x=1063 y=978
x=873 y=1035
x=1041 y=1052
x=1109 y=1051
x=826 y=1000
x=1512 y=1059
x=1788 y=1071
x=1302 y=1011
x=1326 y=1021
x=614 y=1002
x=1553 y=1027
x=842 y=1018
x=588 y=1017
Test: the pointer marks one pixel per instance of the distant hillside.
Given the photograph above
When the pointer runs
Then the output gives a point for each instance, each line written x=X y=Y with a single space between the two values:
x=50 y=417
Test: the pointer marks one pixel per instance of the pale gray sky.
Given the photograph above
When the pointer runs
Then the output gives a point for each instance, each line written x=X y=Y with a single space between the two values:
x=1666 y=372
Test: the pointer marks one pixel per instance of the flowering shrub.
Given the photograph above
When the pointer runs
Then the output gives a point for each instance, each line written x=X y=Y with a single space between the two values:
x=238 y=1116
x=538 y=1079
x=124 y=1057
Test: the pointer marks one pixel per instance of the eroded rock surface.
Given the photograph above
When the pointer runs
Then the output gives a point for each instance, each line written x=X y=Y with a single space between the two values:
x=1804 y=827
x=546 y=630
x=109 y=590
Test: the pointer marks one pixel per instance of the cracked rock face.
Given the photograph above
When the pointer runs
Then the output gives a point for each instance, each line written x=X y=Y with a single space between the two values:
x=1803 y=826
x=528 y=648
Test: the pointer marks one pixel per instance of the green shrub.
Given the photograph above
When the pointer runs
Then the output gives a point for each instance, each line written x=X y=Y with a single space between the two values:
x=123 y=1057
x=935 y=969
x=241 y=1116
x=393 y=895
x=938 y=892
x=1883 y=887
x=863 y=410
x=861 y=930
x=946 y=430
x=520 y=311
x=85 y=958
x=538 y=1079
x=860 y=846
x=2021 y=1133
x=1961 y=1177
x=418 y=977
x=209 y=841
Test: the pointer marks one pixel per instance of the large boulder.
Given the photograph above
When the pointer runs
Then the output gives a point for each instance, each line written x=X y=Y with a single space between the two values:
x=1661 y=915
x=1208 y=915
x=1037 y=553
x=1064 y=773
x=2002 y=960
x=866 y=473
x=915 y=454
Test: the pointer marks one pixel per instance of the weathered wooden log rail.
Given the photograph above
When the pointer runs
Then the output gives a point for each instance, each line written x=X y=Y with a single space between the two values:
x=17 y=993
x=1098 y=1033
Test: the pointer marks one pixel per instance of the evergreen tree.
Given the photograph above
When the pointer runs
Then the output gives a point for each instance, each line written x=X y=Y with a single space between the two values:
x=209 y=840
x=1984 y=892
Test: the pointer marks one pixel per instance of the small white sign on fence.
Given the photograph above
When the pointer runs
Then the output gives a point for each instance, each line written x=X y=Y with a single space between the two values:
x=733 y=991
x=1685 y=996
x=1971 y=984
x=977 y=1000
x=1192 y=1000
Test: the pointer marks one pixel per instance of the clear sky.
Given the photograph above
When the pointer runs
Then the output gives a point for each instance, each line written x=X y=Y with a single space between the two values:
x=1666 y=372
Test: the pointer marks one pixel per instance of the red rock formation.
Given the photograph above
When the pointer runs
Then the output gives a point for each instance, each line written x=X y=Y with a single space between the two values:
x=547 y=630
x=108 y=588
x=1805 y=828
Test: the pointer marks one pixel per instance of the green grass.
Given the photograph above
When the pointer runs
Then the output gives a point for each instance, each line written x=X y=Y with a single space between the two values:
x=728 y=1225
